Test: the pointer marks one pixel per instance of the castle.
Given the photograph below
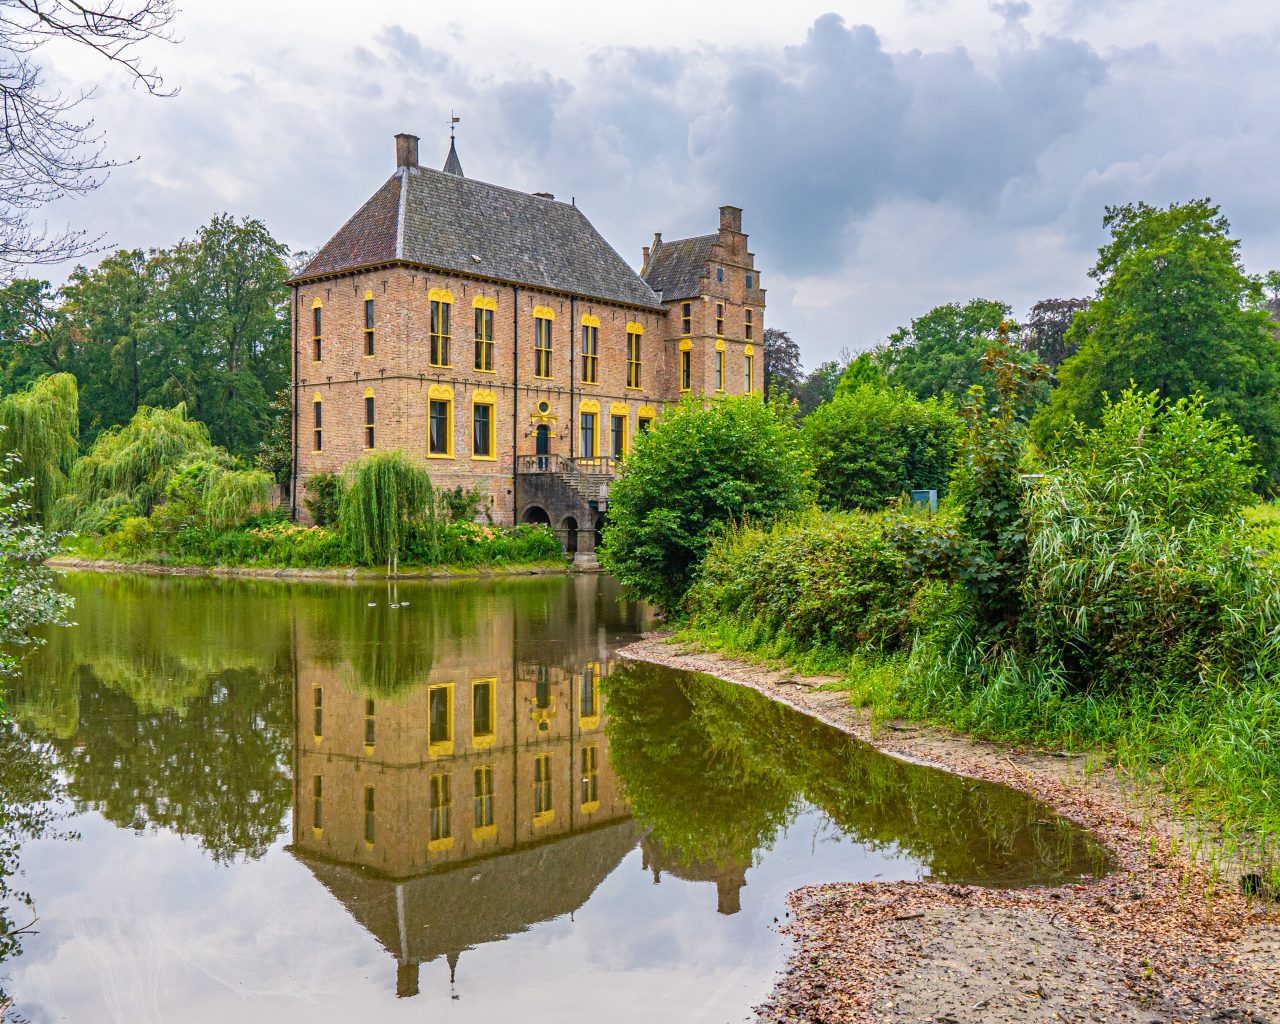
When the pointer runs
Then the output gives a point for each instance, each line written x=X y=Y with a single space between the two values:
x=497 y=336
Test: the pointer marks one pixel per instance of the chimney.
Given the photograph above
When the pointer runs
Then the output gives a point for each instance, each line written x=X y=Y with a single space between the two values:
x=406 y=150
x=731 y=218
x=406 y=974
x=645 y=261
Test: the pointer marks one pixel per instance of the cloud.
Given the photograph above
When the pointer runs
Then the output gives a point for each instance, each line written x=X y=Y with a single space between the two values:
x=877 y=180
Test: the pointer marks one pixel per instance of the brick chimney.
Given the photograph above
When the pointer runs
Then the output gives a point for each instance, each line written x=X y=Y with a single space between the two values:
x=406 y=150
x=731 y=218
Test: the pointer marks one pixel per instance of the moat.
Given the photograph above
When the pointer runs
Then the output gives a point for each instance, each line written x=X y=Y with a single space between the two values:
x=289 y=802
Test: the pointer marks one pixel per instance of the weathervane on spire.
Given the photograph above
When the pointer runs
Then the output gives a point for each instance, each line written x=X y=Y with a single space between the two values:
x=453 y=120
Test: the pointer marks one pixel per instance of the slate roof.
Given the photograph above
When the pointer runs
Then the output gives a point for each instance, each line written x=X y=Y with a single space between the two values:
x=676 y=268
x=452 y=223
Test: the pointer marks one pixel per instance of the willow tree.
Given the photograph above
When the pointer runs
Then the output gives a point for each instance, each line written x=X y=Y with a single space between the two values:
x=129 y=468
x=41 y=424
x=386 y=495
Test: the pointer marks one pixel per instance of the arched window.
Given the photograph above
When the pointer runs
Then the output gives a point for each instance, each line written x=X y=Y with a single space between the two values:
x=368 y=417
x=484 y=309
x=719 y=365
x=635 y=333
x=440 y=422
x=317 y=330
x=317 y=428
x=645 y=416
x=619 y=422
x=484 y=425
x=543 y=318
x=748 y=369
x=686 y=365
x=590 y=350
x=441 y=305
x=368 y=324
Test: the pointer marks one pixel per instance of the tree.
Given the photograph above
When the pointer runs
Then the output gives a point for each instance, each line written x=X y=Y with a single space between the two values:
x=782 y=369
x=1175 y=314
x=875 y=443
x=31 y=345
x=1044 y=333
x=47 y=151
x=40 y=427
x=706 y=464
x=385 y=495
x=941 y=352
x=863 y=370
x=819 y=386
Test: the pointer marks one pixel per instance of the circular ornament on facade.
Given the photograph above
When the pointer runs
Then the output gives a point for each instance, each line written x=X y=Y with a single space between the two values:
x=544 y=407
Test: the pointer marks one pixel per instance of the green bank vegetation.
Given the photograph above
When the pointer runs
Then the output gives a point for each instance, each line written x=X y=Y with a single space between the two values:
x=1101 y=573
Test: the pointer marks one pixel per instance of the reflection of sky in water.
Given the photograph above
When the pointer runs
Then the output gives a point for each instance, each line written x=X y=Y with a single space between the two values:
x=139 y=929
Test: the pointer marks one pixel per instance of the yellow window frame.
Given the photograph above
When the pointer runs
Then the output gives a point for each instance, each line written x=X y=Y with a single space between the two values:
x=635 y=338
x=368 y=324
x=440 y=327
x=441 y=747
x=370 y=419
x=485 y=397
x=590 y=780
x=543 y=793
x=441 y=393
x=440 y=811
x=543 y=318
x=590 y=349
x=317 y=423
x=483 y=741
x=481 y=832
x=317 y=330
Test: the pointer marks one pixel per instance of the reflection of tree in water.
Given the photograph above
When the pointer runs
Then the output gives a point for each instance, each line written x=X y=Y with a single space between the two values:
x=716 y=770
x=169 y=706
x=28 y=789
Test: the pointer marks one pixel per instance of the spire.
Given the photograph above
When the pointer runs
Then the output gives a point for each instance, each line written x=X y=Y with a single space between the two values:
x=452 y=165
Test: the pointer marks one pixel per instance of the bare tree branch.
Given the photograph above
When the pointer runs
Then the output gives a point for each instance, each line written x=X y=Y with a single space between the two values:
x=46 y=151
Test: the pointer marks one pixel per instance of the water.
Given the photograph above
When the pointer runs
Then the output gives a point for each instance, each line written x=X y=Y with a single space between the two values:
x=299 y=803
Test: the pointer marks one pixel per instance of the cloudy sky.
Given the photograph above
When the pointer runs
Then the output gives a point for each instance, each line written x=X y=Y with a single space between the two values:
x=889 y=156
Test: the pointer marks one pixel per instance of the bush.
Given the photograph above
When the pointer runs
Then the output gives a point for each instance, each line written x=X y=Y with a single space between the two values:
x=706 y=464
x=824 y=580
x=385 y=497
x=874 y=443
x=324 y=494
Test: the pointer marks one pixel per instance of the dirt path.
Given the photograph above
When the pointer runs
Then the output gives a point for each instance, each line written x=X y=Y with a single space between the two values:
x=1158 y=941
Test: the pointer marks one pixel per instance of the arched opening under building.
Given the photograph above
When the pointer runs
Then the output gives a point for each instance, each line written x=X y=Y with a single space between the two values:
x=569 y=534
x=599 y=529
x=537 y=516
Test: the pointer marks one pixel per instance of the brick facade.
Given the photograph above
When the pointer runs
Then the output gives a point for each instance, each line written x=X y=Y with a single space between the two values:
x=402 y=380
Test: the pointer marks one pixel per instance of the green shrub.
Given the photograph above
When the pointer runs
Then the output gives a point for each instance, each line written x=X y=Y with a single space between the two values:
x=385 y=497
x=706 y=464
x=324 y=495
x=835 y=580
x=875 y=443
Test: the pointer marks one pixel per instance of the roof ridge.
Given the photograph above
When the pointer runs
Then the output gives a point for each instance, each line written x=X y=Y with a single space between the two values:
x=503 y=188
x=403 y=174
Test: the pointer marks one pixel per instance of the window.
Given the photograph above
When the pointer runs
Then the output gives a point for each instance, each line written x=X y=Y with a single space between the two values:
x=590 y=350
x=317 y=802
x=618 y=435
x=588 y=695
x=686 y=318
x=484 y=796
x=368 y=816
x=719 y=319
x=484 y=334
x=719 y=369
x=368 y=723
x=750 y=281
x=748 y=376
x=368 y=417
x=317 y=429
x=686 y=370
x=645 y=417
x=368 y=323
x=542 y=808
x=543 y=318
x=748 y=323
x=317 y=331
x=483 y=425
x=441 y=827
x=590 y=439
x=634 y=333
x=440 y=719
x=317 y=705
x=720 y=274
x=440 y=421
x=590 y=777
x=441 y=305
x=483 y=709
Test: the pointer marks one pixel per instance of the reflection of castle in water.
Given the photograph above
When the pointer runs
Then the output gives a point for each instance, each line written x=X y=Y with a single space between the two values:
x=471 y=804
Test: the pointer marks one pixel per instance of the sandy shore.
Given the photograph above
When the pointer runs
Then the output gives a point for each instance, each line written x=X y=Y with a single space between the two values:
x=1157 y=941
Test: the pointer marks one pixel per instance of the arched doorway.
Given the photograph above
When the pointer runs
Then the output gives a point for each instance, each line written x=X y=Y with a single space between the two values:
x=542 y=446
x=569 y=535
x=599 y=525
x=537 y=516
